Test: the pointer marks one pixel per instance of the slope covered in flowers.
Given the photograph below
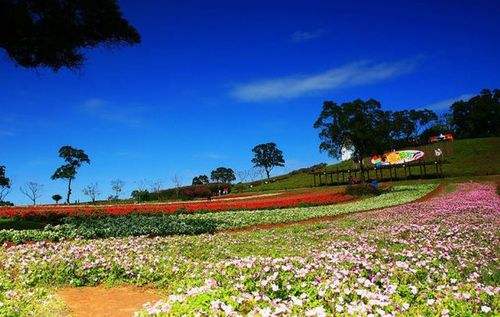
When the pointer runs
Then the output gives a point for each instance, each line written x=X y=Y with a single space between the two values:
x=438 y=257
x=195 y=223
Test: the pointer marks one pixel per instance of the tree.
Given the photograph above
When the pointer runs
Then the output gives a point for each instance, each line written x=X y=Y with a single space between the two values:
x=267 y=156
x=56 y=198
x=478 y=117
x=117 y=187
x=407 y=125
x=74 y=158
x=361 y=126
x=5 y=184
x=222 y=175
x=177 y=181
x=91 y=190
x=201 y=180
x=156 y=187
x=32 y=190
x=53 y=33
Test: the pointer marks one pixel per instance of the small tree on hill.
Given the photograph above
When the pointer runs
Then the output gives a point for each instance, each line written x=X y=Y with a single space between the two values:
x=201 y=180
x=56 y=198
x=223 y=175
x=74 y=158
x=91 y=190
x=32 y=190
x=267 y=156
x=117 y=187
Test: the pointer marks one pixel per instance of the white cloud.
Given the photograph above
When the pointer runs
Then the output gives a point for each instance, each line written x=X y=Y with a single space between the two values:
x=131 y=116
x=445 y=104
x=354 y=74
x=302 y=36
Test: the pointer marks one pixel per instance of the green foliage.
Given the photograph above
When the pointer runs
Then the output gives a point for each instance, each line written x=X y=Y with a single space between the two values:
x=362 y=190
x=364 y=128
x=478 y=117
x=223 y=175
x=267 y=156
x=55 y=33
x=56 y=198
x=201 y=180
x=468 y=157
x=74 y=158
x=4 y=180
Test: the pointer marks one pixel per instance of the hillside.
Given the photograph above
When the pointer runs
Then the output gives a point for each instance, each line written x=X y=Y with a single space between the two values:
x=468 y=157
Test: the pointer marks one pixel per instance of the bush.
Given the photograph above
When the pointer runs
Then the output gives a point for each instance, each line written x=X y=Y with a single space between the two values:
x=196 y=191
x=362 y=190
x=6 y=203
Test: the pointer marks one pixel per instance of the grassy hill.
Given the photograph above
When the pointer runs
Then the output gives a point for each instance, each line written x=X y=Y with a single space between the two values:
x=468 y=157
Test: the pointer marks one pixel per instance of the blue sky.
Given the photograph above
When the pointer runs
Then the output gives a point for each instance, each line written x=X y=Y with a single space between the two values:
x=211 y=79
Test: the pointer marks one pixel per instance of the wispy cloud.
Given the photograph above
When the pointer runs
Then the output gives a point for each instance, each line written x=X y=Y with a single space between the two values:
x=446 y=103
x=131 y=116
x=354 y=74
x=210 y=156
x=303 y=36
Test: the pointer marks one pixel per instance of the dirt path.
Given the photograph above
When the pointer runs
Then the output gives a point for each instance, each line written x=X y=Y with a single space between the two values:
x=106 y=302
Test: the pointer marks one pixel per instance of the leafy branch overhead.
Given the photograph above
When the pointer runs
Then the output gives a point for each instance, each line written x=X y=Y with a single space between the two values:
x=54 y=33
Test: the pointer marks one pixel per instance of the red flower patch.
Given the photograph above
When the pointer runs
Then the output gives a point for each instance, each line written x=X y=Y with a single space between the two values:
x=287 y=200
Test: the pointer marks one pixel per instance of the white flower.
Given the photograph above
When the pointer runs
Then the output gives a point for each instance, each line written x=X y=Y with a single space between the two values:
x=406 y=306
x=275 y=287
x=430 y=301
x=485 y=309
x=316 y=312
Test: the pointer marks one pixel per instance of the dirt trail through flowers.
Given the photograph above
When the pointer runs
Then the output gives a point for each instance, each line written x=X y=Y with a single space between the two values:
x=105 y=302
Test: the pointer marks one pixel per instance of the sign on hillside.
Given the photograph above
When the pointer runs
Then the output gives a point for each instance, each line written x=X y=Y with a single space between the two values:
x=397 y=157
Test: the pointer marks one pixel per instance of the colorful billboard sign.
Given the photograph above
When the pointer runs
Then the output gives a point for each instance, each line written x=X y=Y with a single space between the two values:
x=397 y=157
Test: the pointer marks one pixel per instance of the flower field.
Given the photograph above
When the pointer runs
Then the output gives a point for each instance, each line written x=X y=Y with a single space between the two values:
x=313 y=198
x=160 y=224
x=438 y=257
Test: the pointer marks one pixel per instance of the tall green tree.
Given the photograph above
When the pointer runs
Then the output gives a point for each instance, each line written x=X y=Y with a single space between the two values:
x=201 y=180
x=361 y=126
x=267 y=156
x=477 y=117
x=54 y=33
x=223 y=175
x=74 y=158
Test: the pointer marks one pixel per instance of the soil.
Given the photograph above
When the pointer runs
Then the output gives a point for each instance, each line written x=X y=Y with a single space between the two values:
x=106 y=302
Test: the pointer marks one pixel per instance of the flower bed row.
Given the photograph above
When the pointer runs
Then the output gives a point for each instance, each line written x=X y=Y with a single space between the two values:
x=314 y=198
x=161 y=224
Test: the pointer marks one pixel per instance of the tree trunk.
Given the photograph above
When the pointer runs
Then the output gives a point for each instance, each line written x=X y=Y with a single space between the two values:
x=268 y=176
x=69 y=191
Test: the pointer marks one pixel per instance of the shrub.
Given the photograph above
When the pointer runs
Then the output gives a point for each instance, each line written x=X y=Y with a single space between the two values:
x=362 y=190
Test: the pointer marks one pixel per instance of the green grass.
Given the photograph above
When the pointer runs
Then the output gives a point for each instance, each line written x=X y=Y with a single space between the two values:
x=469 y=157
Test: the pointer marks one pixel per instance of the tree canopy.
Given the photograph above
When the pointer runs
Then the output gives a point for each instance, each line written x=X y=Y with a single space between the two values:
x=201 y=180
x=53 y=33
x=365 y=129
x=478 y=117
x=267 y=156
x=74 y=158
x=223 y=175
x=4 y=180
